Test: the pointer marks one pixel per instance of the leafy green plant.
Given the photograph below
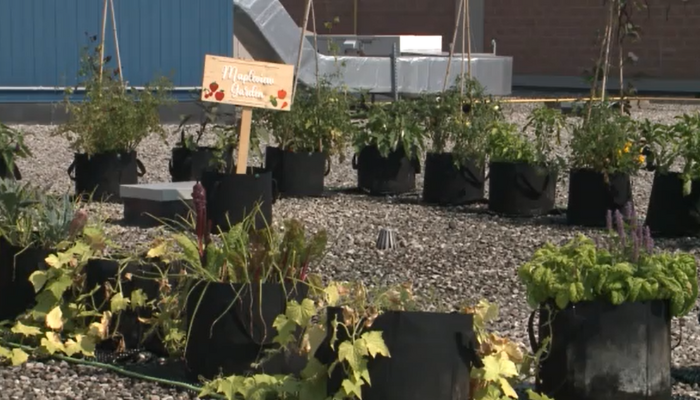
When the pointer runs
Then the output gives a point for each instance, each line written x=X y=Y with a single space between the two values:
x=244 y=254
x=547 y=124
x=12 y=146
x=61 y=321
x=437 y=114
x=318 y=121
x=111 y=118
x=30 y=217
x=391 y=126
x=672 y=143
x=190 y=140
x=503 y=362
x=470 y=132
x=623 y=268
x=356 y=347
x=606 y=142
x=507 y=144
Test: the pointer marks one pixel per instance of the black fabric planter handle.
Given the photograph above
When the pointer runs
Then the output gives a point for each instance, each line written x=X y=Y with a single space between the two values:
x=141 y=169
x=354 y=161
x=469 y=176
x=526 y=187
x=328 y=164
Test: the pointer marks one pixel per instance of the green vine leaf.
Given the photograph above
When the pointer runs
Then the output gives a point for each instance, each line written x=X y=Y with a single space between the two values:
x=352 y=353
x=118 y=303
x=352 y=387
x=301 y=313
x=52 y=343
x=18 y=357
x=38 y=280
x=374 y=344
x=25 y=330
x=138 y=299
x=285 y=330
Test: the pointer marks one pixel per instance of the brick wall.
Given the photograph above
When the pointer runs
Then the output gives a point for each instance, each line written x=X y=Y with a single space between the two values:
x=555 y=37
x=545 y=37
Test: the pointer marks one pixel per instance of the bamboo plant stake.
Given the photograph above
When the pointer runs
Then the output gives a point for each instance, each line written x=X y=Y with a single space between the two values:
x=105 y=5
x=304 y=24
x=452 y=45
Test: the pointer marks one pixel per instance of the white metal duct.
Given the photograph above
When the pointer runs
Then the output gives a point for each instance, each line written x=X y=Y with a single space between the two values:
x=270 y=34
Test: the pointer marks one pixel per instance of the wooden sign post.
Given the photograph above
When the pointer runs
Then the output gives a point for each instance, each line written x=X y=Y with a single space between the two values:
x=249 y=84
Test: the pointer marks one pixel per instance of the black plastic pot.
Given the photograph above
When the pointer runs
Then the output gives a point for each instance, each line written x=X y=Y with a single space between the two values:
x=600 y=351
x=670 y=213
x=445 y=183
x=431 y=356
x=102 y=174
x=590 y=196
x=5 y=172
x=520 y=189
x=231 y=198
x=297 y=174
x=395 y=174
x=188 y=165
x=230 y=327
x=145 y=276
x=16 y=265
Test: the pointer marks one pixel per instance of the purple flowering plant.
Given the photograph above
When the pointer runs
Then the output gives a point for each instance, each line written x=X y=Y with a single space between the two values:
x=621 y=266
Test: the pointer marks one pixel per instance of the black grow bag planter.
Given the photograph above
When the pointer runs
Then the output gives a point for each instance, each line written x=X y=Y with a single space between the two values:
x=431 y=356
x=102 y=174
x=16 y=265
x=297 y=174
x=599 y=351
x=590 y=197
x=5 y=172
x=230 y=328
x=445 y=183
x=188 y=165
x=144 y=275
x=231 y=198
x=670 y=213
x=520 y=189
x=395 y=174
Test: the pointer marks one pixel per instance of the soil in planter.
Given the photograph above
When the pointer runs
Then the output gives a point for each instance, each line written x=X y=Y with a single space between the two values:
x=604 y=352
x=16 y=265
x=143 y=275
x=5 y=173
x=520 y=189
x=296 y=174
x=100 y=175
x=395 y=174
x=590 y=197
x=448 y=184
x=188 y=165
x=670 y=213
x=230 y=328
x=231 y=198
x=431 y=356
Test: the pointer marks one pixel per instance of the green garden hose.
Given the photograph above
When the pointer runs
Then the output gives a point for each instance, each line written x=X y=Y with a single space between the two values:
x=117 y=370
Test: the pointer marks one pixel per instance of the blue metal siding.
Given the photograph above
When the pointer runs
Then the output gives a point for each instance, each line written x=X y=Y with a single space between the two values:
x=40 y=41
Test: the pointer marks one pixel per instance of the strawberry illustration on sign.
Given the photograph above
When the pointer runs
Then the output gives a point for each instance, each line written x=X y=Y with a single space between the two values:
x=214 y=87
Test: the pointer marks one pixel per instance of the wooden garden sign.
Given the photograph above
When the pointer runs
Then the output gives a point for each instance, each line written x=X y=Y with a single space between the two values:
x=249 y=84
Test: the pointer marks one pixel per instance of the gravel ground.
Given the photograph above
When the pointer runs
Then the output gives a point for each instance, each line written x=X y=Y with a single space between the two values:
x=452 y=255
